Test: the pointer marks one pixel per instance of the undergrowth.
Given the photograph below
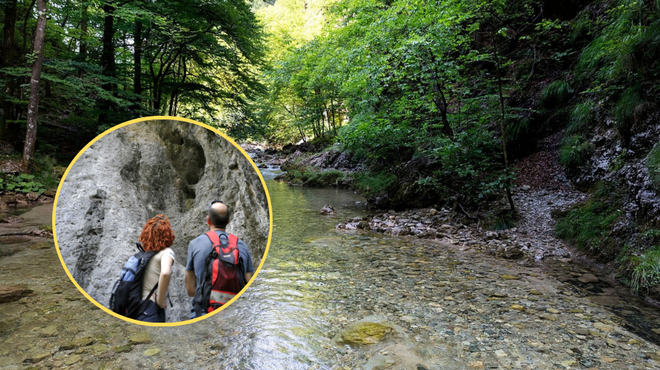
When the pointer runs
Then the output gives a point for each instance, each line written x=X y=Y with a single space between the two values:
x=575 y=151
x=644 y=270
x=587 y=226
x=369 y=183
x=582 y=118
x=555 y=94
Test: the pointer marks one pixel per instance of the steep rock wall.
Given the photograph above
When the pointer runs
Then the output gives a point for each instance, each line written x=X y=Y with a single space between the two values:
x=132 y=174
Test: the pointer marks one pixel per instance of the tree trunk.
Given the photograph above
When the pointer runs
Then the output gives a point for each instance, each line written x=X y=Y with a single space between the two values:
x=8 y=39
x=137 y=58
x=441 y=103
x=33 y=106
x=503 y=129
x=28 y=13
x=8 y=58
x=83 y=33
x=108 y=59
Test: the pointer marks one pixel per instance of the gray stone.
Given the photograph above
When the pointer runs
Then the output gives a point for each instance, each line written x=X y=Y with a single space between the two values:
x=327 y=210
x=379 y=362
x=132 y=174
x=588 y=278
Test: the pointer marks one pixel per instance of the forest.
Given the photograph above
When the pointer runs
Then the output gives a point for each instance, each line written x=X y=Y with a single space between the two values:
x=437 y=100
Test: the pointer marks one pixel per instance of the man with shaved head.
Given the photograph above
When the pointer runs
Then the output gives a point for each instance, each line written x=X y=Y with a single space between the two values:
x=201 y=247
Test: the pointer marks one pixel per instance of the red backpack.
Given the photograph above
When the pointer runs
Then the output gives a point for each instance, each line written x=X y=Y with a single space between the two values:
x=221 y=278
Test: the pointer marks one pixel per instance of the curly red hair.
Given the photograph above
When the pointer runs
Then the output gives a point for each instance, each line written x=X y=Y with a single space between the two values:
x=157 y=234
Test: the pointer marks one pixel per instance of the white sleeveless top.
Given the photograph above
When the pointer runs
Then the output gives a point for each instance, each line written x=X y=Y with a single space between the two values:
x=152 y=273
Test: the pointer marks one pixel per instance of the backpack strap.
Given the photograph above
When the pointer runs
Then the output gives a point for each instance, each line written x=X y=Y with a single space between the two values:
x=215 y=239
x=201 y=300
x=152 y=292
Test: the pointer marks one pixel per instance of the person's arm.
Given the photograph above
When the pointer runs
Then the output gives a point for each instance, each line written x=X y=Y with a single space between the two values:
x=164 y=280
x=249 y=268
x=190 y=278
x=191 y=283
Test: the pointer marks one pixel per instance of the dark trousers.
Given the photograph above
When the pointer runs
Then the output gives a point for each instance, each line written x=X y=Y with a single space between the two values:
x=152 y=313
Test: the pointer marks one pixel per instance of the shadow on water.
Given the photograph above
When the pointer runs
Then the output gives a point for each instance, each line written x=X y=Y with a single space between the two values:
x=635 y=314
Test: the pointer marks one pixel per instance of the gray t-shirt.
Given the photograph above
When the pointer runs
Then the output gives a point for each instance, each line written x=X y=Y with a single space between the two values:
x=201 y=246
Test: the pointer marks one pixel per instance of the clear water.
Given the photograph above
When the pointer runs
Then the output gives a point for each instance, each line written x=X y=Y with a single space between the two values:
x=449 y=307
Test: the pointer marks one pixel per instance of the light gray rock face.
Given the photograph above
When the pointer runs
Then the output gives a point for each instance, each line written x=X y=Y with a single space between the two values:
x=136 y=172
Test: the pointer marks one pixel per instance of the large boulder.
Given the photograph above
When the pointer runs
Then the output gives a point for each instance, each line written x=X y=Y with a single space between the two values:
x=132 y=174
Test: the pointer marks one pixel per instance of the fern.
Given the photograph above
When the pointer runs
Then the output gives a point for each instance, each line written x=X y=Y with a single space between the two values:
x=555 y=94
x=582 y=117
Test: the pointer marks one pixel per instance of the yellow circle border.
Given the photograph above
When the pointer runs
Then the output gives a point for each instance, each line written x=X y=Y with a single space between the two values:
x=160 y=118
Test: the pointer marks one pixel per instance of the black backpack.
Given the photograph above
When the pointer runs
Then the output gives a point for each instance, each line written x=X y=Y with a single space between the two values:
x=126 y=298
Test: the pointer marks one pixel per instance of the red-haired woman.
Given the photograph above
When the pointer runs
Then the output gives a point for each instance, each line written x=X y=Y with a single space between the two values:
x=157 y=236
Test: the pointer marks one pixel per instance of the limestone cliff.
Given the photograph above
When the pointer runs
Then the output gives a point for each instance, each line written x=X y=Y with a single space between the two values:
x=132 y=174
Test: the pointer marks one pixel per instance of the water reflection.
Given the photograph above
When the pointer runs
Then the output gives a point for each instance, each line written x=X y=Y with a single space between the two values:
x=282 y=314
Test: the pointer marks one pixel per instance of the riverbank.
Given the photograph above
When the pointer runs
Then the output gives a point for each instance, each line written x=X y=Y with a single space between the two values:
x=543 y=196
x=532 y=239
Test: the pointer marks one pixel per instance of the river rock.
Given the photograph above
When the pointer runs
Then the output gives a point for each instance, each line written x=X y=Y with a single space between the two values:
x=45 y=200
x=72 y=360
x=379 y=362
x=11 y=293
x=152 y=352
x=327 y=210
x=32 y=196
x=132 y=174
x=364 y=333
x=9 y=199
x=510 y=252
x=140 y=338
x=588 y=278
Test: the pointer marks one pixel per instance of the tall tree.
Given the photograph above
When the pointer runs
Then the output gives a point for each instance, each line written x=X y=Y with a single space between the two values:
x=33 y=105
x=108 y=63
x=9 y=55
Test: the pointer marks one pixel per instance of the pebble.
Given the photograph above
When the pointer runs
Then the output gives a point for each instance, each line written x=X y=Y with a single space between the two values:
x=603 y=327
x=364 y=333
x=152 y=352
x=72 y=360
x=140 y=338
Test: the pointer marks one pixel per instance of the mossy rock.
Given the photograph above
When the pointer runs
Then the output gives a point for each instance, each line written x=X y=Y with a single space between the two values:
x=364 y=333
x=140 y=338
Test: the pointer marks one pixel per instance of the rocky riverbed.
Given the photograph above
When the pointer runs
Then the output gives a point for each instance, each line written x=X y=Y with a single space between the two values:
x=532 y=239
x=329 y=299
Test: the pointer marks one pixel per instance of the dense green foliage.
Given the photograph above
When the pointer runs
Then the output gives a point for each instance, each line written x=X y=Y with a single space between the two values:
x=575 y=151
x=588 y=226
x=23 y=183
x=411 y=80
x=644 y=270
x=111 y=61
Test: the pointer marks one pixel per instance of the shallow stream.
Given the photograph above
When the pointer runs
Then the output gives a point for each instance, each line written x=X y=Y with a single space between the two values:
x=443 y=307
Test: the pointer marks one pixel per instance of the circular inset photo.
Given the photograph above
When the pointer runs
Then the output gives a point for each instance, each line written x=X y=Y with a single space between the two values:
x=162 y=221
